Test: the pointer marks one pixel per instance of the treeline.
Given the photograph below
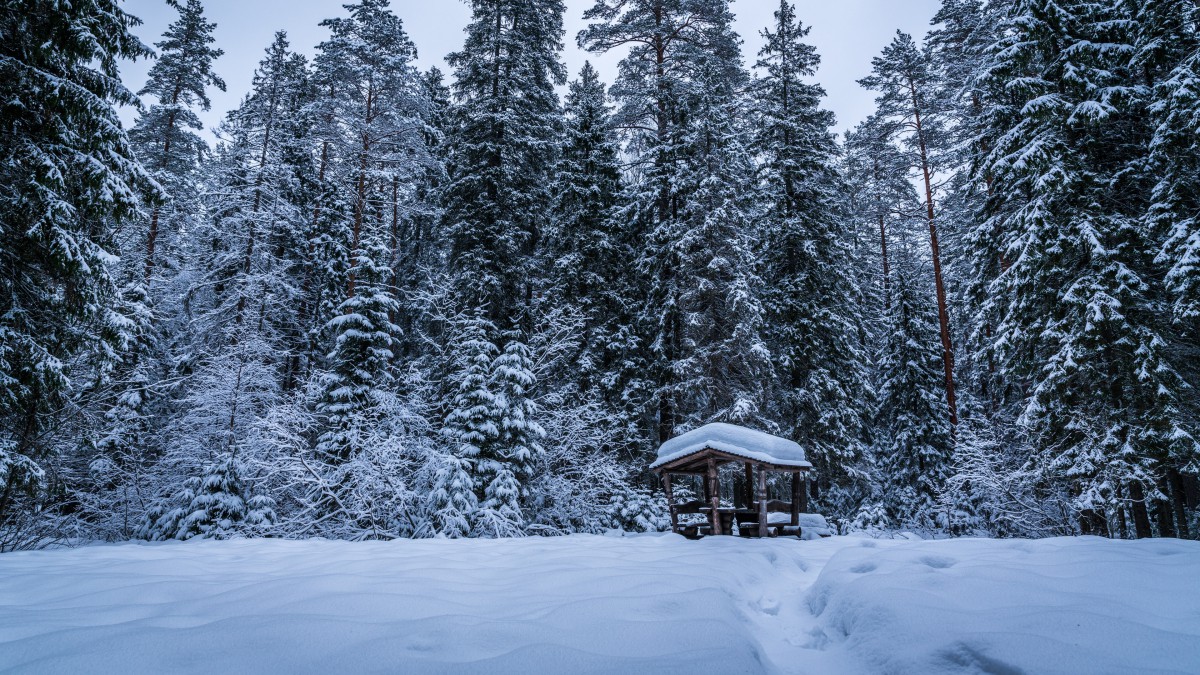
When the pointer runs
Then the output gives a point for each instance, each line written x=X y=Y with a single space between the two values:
x=384 y=305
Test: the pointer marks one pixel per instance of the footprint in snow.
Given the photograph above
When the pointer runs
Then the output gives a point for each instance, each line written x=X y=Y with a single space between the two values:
x=939 y=562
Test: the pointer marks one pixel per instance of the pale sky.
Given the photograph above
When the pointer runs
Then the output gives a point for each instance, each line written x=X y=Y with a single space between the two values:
x=847 y=34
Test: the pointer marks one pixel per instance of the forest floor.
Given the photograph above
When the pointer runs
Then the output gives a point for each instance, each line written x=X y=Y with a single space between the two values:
x=605 y=604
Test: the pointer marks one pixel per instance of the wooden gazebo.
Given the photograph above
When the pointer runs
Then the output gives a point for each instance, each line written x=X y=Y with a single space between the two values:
x=703 y=451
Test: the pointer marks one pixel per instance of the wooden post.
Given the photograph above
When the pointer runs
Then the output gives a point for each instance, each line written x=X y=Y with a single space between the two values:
x=803 y=492
x=749 y=485
x=762 y=501
x=796 y=497
x=670 y=502
x=714 y=491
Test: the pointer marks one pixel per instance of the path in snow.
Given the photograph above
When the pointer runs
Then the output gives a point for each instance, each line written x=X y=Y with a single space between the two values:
x=580 y=604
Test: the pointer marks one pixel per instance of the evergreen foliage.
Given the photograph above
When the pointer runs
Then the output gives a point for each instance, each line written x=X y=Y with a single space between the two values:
x=391 y=304
x=811 y=303
x=69 y=179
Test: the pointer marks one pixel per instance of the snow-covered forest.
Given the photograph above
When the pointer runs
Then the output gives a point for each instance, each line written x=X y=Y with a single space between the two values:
x=390 y=302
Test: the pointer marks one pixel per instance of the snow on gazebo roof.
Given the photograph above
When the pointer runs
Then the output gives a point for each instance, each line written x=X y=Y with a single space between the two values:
x=734 y=440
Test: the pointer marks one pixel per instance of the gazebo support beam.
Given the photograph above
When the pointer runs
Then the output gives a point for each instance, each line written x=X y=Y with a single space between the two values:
x=749 y=492
x=714 y=492
x=670 y=502
x=762 y=501
x=797 y=495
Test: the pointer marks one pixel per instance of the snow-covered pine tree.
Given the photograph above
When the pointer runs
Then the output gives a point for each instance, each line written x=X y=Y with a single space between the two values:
x=214 y=505
x=503 y=146
x=964 y=31
x=245 y=261
x=912 y=453
x=1168 y=40
x=725 y=369
x=1168 y=52
x=68 y=178
x=691 y=200
x=587 y=303
x=418 y=243
x=1077 y=298
x=502 y=151
x=505 y=470
x=164 y=136
x=905 y=81
x=585 y=259
x=909 y=457
x=469 y=426
x=257 y=225
x=811 y=305
x=373 y=148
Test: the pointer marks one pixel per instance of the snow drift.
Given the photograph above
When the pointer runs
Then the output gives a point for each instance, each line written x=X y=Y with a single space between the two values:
x=653 y=603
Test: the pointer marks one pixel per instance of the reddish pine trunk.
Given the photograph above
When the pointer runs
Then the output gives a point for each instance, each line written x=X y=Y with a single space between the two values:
x=943 y=310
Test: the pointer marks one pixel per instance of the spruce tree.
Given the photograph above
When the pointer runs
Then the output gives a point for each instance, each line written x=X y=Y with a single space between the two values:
x=68 y=179
x=502 y=151
x=214 y=505
x=372 y=106
x=501 y=156
x=584 y=255
x=905 y=81
x=1167 y=50
x=806 y=252
x=691 y=205
x=912 y=454
x=1076 y=302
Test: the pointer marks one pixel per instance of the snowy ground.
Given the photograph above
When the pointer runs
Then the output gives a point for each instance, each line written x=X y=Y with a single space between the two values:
x=606 y=604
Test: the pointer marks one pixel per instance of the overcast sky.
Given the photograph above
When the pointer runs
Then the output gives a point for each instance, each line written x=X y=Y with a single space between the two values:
x=847 y=34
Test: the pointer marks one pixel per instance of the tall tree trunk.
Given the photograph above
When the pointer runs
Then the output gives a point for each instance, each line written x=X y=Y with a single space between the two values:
x=935 y=249
x=887 y=270
x=152 y=235
x=1177 y=500
x=1162 y=511
x=1141 y=517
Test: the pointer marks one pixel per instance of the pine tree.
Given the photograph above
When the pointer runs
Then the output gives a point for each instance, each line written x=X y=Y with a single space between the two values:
x=589 y=290
x=584 y=256
x=502 y=151
x=69 y=178
x=501 y=156
x=215 y=505
x=1167 y=45
x=164 y=135
x=373 y=105
x=1076 y=302
x=470 y=426
x=905 y=81
x=806 y=252
x=913 y=451
x=724 y=371
x=691 y=203
x=1168 y=52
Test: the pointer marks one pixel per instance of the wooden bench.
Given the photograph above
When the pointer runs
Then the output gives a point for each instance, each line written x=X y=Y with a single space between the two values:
x=689 y=530
x=748 y=520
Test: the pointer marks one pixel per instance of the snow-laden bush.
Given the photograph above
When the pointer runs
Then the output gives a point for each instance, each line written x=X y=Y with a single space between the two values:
x=217 y=505
x=639 y=510
x=994 y=489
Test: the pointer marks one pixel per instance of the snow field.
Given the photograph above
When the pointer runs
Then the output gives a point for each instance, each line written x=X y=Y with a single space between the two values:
x=591 y=604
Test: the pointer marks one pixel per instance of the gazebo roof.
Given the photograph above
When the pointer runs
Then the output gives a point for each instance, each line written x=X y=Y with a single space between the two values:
x=733 y=440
